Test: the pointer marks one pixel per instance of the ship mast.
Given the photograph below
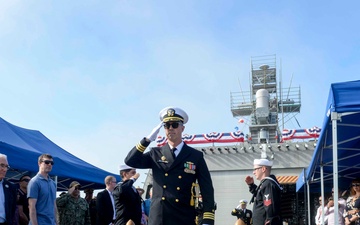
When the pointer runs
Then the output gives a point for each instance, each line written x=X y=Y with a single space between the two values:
x=262 y=105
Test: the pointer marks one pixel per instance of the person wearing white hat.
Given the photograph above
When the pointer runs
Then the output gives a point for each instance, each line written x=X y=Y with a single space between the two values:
x=266 y=195
x=176 y=168
x=126 y=198
x=242 y=213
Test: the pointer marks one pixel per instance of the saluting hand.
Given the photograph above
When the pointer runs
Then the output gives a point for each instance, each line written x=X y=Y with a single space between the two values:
x=153 y=135
x=71 y=190
x=249 y=180
x=136 y=176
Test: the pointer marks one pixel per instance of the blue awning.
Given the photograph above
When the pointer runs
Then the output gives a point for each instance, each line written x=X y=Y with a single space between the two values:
x=24 y=146
x=344 y=100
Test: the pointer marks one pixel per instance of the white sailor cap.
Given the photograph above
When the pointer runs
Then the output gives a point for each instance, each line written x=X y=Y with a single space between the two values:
x=171 y=113
x=263 y=162
x=243 y=201
x=125 y=167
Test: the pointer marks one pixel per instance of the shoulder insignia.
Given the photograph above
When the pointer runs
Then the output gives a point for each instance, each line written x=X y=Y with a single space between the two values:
x=267 y=201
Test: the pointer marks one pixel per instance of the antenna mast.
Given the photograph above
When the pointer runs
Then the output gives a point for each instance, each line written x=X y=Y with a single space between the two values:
x=262 y=102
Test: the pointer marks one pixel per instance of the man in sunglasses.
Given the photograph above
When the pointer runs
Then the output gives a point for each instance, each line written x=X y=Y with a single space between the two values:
x=42 y=194
x=23 y=204
x=72 y=208
x=176 y=168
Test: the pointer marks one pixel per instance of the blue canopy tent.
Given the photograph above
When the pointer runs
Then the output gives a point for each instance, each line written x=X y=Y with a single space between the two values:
x=336 y=159
x=23 y=147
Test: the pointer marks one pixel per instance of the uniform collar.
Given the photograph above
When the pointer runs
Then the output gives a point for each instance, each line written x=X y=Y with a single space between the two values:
x=179 y=147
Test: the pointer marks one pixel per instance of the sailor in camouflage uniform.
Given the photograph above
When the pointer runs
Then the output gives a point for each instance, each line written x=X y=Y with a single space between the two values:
x=174 y=174
x=73 y=210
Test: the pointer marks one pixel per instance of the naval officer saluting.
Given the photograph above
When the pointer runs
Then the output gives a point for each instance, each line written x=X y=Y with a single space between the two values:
x=176 y=167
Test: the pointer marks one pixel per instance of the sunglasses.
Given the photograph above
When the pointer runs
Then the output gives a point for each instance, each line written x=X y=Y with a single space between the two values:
x=77 y=188
x=356 y=185
x=26 y=180
x=47 y=162
x=174 y=125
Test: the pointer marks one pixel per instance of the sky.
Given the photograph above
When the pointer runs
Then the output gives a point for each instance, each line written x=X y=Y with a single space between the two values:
x=92 y=76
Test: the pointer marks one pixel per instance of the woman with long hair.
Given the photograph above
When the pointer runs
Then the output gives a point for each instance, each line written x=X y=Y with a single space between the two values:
x=352 y=214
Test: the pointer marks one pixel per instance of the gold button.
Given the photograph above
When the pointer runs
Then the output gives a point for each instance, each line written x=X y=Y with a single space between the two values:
x=178 y=188
x=180 y=177
x=176 y=200
x=166 y=174
x=164 y=186
x=163 y=198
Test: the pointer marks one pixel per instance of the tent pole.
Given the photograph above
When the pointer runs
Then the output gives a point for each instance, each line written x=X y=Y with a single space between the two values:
x=322 y=193
x=56 y=181
x=334 y=118
x=308 y=203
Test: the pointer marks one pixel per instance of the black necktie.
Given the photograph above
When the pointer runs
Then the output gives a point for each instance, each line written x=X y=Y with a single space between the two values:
x=173 y=150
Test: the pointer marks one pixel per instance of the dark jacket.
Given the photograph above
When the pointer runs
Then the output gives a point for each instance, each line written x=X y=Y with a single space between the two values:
x=127 y=203
x=104 y=208
x=173 y=182
x=267 y=201
x=10 y=201
x=245 y=216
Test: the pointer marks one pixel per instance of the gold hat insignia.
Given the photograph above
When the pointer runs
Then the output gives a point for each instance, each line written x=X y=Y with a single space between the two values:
x=170 y=112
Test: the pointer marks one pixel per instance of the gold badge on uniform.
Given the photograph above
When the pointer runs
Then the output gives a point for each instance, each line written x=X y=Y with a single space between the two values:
x=163 y=160
x=189 y=167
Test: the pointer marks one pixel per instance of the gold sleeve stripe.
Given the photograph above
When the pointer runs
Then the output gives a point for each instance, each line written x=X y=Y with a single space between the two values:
x=209 y=215
x=140 y=147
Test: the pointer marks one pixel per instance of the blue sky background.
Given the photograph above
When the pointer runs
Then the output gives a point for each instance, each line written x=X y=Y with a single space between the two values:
x=93 y=75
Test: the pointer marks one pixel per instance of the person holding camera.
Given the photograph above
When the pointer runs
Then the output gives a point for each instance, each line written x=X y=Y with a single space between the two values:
x=242 y=213
x=329 y=210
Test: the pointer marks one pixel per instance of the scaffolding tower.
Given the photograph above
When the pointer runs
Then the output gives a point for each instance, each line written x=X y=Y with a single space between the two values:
x=265 y=102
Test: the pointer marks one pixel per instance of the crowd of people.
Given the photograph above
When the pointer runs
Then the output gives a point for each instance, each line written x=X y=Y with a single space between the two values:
x=177 y=170
x=348 y=207
x=34 y=201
